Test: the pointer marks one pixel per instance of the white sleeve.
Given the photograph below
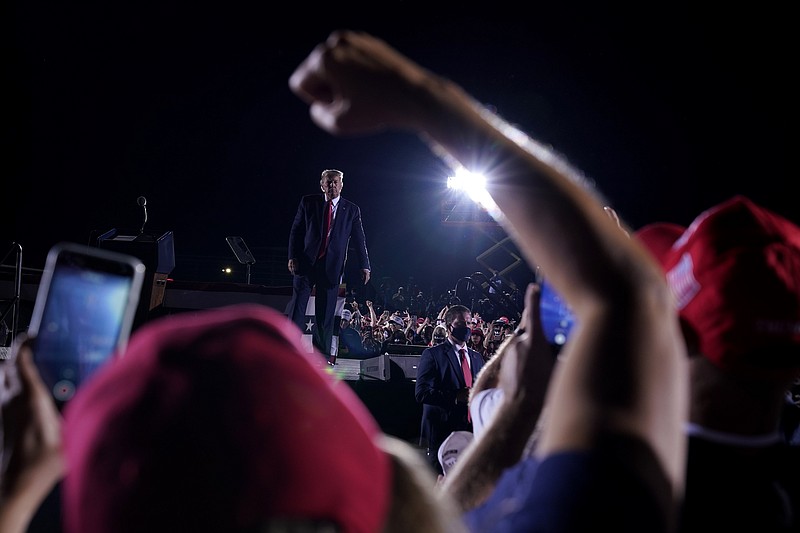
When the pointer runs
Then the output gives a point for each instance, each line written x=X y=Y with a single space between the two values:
x=482 y=409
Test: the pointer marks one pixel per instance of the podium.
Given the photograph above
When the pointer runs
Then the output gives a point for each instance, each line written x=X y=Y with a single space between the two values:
x=158 y=256
x=390 y=367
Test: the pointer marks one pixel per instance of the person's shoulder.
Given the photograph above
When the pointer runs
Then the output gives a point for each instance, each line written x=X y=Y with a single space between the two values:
x=310 y=199
x=348 y=203
x=479 y=358
x=437 y=349
x=429 y=350
x=514 y=483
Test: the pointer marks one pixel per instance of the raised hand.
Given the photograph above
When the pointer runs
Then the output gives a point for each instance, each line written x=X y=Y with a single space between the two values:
x=31 y=429
x=356 y=83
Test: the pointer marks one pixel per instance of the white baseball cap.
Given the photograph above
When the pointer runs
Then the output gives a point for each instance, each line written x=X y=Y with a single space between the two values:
x=452 y=448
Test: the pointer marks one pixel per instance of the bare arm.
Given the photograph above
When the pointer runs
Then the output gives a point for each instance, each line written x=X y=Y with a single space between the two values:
x=384 y=318
x=489 y=375
x=372 y=318
x=487 y=335
x=623 y=309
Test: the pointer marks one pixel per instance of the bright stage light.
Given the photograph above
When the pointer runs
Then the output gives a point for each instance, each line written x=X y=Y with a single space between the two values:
x=474 y=185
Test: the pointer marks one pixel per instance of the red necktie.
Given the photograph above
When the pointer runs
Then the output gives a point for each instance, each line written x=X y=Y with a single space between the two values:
x=326 y=229
x=465 y=368
x=467 y=376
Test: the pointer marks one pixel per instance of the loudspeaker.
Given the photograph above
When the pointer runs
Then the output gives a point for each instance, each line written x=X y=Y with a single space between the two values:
x=405 y=349
x=403 y=366
x=390 y=367
x=375 y=368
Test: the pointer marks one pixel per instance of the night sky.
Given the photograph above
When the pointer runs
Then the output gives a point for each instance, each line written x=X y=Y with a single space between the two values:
x=668 y=109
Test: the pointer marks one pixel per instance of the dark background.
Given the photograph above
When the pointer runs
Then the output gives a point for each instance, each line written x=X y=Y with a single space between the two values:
x=668 y=108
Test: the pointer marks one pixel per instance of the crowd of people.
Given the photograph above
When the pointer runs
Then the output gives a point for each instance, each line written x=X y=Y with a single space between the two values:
x=365 y=332
x=662 y=412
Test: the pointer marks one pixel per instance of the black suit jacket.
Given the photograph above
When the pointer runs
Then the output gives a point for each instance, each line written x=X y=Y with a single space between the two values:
x=439 y=378
x=305 y=236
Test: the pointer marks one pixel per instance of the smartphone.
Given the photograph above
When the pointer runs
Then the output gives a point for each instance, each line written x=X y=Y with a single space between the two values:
x=83 y=313
x=555 y=315
x=497 y=332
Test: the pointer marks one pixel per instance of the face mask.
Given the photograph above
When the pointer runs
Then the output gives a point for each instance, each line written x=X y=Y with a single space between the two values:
x=461 y=333
x=438 y=340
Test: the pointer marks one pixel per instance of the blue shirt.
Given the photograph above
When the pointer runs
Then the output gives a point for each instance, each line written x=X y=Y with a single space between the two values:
x=618 y=486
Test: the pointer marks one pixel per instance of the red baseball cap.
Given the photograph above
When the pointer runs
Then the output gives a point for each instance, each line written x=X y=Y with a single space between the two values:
x=220 y=421
x=735 y=275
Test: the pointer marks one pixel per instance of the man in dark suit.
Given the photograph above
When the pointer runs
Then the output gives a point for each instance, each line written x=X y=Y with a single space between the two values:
x=318 y=242
x=443 y=383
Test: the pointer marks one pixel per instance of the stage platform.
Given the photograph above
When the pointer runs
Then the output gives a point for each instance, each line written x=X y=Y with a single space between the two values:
x=385 y=383
x=393 y=405
x=187 y=295
x=386 y=367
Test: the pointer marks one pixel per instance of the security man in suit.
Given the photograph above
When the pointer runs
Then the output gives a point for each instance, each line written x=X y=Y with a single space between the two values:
x=445 y=375
x=318 y=242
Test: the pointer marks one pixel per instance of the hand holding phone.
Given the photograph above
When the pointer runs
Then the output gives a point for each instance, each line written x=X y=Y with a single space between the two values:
x=83 y=313
x=497 y=332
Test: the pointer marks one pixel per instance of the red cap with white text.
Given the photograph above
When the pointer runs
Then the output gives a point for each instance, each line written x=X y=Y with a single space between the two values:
x=735 y=274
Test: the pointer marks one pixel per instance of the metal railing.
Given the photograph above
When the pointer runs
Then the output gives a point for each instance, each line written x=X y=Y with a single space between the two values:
x=12 y=306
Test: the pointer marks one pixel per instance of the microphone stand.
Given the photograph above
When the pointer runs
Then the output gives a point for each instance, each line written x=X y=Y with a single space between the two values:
x=142 y=201
x=144 y=237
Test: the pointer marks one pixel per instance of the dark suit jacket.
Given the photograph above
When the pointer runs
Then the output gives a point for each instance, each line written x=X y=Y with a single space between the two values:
x=439 y=377
x=305 y=236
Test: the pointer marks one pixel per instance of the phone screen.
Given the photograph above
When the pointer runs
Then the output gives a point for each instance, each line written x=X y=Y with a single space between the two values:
x=497 y=332
x=556 y=316
x=83 y=314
